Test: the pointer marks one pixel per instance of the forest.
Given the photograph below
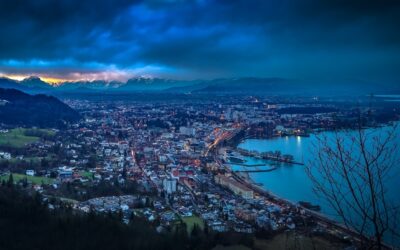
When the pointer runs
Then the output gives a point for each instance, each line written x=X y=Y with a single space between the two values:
x=26 y=222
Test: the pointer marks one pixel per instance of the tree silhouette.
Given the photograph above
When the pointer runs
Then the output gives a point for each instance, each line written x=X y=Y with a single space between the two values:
x=351 y=172
x=10 y=181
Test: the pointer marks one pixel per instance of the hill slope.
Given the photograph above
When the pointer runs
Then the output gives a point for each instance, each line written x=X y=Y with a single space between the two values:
x=21 y=109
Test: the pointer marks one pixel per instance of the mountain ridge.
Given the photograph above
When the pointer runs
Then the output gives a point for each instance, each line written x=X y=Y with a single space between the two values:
x=245 y=85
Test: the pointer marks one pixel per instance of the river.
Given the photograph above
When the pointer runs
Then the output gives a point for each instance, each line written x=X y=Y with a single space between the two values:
x=291 y=181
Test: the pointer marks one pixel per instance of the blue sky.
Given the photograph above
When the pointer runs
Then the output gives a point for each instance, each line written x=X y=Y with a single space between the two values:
x=116 y=40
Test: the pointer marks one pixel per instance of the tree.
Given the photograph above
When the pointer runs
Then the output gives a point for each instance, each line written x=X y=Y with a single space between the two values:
x=124 y=173
x=206 y=229
x=180 y=233
x=44 y=163
x=131 y=218
x=92 y=161
x=10 y=181
x=351 y=173
x=148 y=202
x=195 y=230
x=24 y=182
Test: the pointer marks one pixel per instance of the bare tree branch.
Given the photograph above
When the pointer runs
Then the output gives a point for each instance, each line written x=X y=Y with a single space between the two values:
x=350 y=172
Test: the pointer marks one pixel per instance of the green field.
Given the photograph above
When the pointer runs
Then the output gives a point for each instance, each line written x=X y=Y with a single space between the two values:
x=17 y=138
x=86 y=174
x=32 y=179
x=190 y=221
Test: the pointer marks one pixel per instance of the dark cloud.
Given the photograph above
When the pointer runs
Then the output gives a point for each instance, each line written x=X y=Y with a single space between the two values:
x=203 y=38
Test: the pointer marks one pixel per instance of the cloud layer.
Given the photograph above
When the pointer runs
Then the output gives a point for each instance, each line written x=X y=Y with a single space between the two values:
x=81 y=39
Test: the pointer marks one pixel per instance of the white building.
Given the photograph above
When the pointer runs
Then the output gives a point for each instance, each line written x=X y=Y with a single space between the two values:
x=169 y=185
x=30 y=172
x=5 y=155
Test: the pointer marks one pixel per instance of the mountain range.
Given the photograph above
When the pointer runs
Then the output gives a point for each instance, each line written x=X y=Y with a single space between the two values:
x=244 y=85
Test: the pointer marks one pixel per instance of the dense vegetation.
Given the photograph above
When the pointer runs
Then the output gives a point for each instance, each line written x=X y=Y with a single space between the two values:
x=26 y=110
x=27 y=223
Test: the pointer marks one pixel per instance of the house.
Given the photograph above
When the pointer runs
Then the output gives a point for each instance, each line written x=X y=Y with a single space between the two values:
x=5 y=155
x=218 y=226
x=65 y=173
x=30 y=172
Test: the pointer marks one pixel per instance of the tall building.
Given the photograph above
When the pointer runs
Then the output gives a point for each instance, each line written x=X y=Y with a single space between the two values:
x=169 y=185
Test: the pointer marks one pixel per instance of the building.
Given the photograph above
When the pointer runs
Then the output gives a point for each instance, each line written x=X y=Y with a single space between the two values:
x=65 y=173
x=5 y=155
x=234 y=186
x=30 y=172
x=244 y=214
x=169 y=185
x=187 y=131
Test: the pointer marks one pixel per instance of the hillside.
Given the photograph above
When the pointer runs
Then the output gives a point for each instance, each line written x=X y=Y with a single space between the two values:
x=26 y=223
x=21 y=109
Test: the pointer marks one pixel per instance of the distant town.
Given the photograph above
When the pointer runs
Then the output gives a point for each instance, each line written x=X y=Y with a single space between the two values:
x=169 y=161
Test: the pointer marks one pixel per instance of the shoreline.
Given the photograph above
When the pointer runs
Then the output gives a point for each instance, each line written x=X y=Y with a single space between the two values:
x=319 y=216
x=316 y=131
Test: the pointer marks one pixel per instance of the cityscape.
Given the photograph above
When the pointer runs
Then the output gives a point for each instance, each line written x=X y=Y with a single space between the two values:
x=120 y=153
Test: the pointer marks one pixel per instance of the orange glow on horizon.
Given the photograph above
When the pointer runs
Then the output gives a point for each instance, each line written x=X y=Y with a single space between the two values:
x=49 y=80
x=57 y=79
x=74 y=77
